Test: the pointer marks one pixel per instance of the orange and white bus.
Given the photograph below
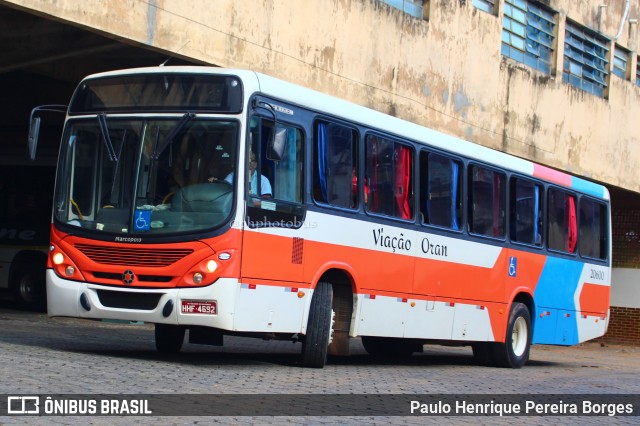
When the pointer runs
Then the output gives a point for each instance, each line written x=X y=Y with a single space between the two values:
x=228 y=202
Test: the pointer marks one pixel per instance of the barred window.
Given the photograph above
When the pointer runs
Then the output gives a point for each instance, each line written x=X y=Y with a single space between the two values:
x=585 y=59
x=528 y=34
x=414 y=8
x=488 y=6
x=620 y=61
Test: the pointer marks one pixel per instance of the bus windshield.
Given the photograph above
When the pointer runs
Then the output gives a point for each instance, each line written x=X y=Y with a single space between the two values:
x=146 y=176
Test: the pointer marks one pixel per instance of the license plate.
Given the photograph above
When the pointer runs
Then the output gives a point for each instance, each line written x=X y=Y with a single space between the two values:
x=197 y=307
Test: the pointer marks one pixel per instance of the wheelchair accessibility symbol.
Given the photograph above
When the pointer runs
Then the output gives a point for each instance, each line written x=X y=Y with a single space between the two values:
x=143 y=220
x=513 y=266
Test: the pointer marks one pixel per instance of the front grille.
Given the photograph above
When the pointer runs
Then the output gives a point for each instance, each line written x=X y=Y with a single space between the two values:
x=142 y=278
x=132 y=256
x=122 y=300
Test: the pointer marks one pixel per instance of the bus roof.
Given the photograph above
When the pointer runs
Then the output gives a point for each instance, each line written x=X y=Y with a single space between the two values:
x=349 y=111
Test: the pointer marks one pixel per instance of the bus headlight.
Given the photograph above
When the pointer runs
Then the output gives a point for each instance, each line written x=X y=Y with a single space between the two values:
x=211 y=266
x=63 y=265
x=58 y=258
x=197 y=278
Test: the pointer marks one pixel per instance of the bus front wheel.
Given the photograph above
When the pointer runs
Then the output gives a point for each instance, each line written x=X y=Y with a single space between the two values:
x=316 y=342
x=169 y=338
x=514 y=352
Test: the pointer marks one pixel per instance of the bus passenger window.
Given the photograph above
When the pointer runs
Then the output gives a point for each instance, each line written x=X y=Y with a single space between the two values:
x=388 y=173
x=563 y=232
x=441 y=188
x=593 y=229
x=487 y=202
x=335 y=174
x=526 y=214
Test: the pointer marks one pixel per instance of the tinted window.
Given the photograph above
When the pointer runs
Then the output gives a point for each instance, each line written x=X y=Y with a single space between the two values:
x=388 y=185
x=441 y=189
x=526 y=214
x=487 y=202
x=335 y=165
x=593 y=229
x=563 y=229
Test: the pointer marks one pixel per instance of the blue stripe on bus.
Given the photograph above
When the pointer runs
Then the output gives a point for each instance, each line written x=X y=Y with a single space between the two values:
x=554 y=297
x=587 y=187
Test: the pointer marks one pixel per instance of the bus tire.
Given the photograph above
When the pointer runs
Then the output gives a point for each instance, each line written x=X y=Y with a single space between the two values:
x=316 y=342
x=28 y=285
x=514 y=352
x=169 y=338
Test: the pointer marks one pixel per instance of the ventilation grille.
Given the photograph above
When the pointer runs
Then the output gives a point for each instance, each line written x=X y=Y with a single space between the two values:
x=133 y=256
x=297 y=250
x=138 y=301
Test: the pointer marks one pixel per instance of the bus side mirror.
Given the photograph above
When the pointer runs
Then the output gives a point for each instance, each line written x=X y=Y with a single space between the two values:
x=34 y=131
x=34 y=126
x=278 y=144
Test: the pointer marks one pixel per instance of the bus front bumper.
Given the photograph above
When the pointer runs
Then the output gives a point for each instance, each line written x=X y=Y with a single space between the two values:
x=210 y=306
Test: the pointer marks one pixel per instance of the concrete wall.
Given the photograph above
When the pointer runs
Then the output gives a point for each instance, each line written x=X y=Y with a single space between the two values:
x=626 y=290
x=624 y=325
x=445 y=72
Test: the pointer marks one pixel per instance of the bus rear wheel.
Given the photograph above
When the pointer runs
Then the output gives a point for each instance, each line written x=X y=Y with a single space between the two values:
x=169 y=338
x=514 y=352
x=316 y=342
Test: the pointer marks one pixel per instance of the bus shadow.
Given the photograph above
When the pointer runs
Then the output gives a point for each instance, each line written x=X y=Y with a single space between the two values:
x=137 y=342
x=214 y=358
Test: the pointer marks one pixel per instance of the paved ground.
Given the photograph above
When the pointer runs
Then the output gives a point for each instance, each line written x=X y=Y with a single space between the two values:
x=39 y=355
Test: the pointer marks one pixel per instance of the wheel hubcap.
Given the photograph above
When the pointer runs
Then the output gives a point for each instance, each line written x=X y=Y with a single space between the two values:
x=27 y=289
x=519 y=337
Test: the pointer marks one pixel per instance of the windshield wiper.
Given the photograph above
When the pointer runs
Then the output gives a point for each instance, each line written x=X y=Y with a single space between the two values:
x=186 y=118
x=104 y=130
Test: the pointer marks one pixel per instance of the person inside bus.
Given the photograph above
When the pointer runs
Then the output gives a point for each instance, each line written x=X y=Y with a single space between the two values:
x=193 y=163
x=265 y=185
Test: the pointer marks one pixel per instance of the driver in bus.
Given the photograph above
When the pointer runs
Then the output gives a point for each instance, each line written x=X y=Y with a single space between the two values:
x=265 y=185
